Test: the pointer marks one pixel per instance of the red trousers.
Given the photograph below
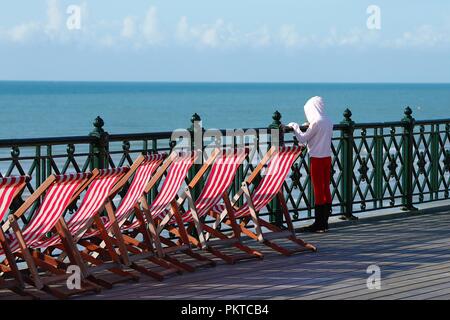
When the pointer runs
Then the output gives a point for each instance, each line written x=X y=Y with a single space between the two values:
x=320 y=169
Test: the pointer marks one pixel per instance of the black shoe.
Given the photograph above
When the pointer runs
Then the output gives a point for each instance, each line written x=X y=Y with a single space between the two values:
x=310 y=228
x=319 y=221
x=322 y=218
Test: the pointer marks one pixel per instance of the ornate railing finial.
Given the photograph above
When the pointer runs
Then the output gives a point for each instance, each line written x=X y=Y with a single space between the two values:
x=276 y=118
x=408 y=112
x=347 y=117
x=195 y=117
x=98 y=126
x=408 y=115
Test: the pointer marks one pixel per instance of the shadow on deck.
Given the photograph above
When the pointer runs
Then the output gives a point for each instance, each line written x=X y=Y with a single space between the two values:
x=412 y=252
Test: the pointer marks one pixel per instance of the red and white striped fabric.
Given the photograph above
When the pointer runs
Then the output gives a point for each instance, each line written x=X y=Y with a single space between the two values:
x=135 y=191
x=55 y=202
x=8 y=187
x=172 y=183
x=220 y=177
x=93 y=200
x=276 y=173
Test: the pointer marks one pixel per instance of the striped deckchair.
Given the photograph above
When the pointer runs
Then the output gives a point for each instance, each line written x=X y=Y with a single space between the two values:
x=117 y=230
x=10 y=188
x=94 y=201
x=279 y=163
x=101 y=237
x=222 y=170
x=176 y=169
x=59 y=192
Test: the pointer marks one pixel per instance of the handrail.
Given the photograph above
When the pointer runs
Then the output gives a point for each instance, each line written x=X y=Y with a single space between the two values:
x=167 y=134
x=46 y=141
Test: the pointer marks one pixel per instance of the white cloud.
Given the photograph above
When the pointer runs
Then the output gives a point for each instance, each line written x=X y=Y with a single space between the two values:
x=128 y=27
x=260 y=38
x=425 y=36
x=144 y=31
x=209 y=36
x=150 y=29
x=288 y=36
x=21 y=32
x=217 y=34
x=354 y=37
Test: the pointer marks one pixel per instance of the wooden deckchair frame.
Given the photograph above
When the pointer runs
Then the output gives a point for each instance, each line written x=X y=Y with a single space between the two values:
x=130 y=250
x=17 y=283
x=201 y=227
x=36 y=260
x=116 y=260
x=153 y=229
x=184 y=244
x=150 y=229
x=258 y=234
x=102 y=254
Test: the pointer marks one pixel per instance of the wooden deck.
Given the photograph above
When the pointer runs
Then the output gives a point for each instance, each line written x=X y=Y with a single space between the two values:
x=413 y=253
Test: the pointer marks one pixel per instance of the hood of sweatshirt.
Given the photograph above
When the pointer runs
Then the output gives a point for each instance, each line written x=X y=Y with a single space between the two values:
x=315 y=109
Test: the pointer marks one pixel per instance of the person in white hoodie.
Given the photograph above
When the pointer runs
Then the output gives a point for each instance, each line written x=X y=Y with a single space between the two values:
x=318 y=140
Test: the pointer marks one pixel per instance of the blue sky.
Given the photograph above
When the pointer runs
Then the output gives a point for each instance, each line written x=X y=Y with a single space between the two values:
x=246 y=40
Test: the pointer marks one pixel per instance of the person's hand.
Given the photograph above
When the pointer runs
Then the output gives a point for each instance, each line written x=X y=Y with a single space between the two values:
x=294 y=126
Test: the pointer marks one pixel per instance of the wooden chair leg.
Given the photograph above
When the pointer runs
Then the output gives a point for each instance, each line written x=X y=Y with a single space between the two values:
x=37 y=282
x=253 y=213
x=231 y=216
x=198 y=227
x=284 y=208
x=117 y=233
x=143 y=229
x=70 y=247
x=183 y=233
x=153 y=230
x=106 y=240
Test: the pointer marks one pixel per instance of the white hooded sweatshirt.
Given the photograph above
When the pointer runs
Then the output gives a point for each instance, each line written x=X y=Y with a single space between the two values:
x=320 y=130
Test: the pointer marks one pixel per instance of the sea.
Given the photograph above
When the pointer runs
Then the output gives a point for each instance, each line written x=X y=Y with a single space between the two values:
x=30 y=109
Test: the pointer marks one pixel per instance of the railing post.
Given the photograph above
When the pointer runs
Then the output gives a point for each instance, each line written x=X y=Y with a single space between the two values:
x=378 y=179
x=99 y=148
x=408 y=160
x=347 y=165
x=434 y=192
x=276 y=216
x=196 y=131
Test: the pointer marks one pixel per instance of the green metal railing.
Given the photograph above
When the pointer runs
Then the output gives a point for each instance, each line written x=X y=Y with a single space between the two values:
x=375 y=165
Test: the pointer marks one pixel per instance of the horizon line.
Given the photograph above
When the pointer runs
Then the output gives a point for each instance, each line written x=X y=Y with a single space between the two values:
x=226 y=82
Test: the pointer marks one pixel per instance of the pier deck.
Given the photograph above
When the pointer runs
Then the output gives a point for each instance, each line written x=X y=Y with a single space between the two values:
x=412 y=251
